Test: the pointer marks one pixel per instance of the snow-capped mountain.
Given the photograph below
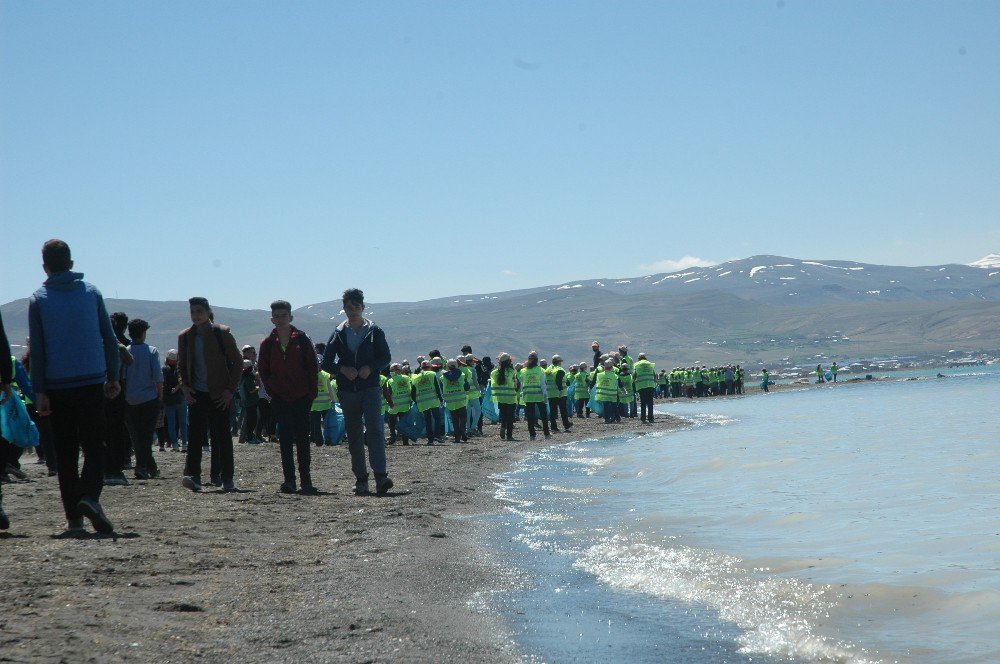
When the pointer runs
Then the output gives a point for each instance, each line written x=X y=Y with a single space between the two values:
x=991 y=261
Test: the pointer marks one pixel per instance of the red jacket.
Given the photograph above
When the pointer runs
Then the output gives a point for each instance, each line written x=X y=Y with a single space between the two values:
x=289 y=374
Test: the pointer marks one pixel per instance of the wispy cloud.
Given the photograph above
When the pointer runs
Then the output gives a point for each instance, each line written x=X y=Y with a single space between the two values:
x=670 y=265
x=509 y=273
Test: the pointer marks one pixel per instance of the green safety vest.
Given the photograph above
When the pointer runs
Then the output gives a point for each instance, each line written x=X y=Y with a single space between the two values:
x=531 y=384
x=470 y=375
x=606 y=388
x=645 y=374
x=426 y=393
x=550 y=383
x=627 y=393
x=454 y=393
x=505 y=393
x=322 y=400
x=582 y=391
x=400 y=387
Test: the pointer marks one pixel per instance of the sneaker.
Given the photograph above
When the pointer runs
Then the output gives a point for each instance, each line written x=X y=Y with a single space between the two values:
x=16 y=472
x=228 y=486
x=75 y=525
x=191 y=482
x=115 y=480
x=287 y=487
x=382 y=484
x=309 y=490
x=361 y=488
x=92 y=510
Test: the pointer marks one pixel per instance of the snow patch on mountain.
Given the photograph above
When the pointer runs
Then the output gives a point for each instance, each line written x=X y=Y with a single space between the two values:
x=990 y=261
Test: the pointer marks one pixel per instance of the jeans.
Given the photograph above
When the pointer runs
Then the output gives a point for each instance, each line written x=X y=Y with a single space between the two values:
x=646 y=401
x=208 y=419
x=610 y=411
x=78 y=422
x=293 y=437
x=365 y=404
x=475 y=414
x=316 y=419
x=458 y=422
x=506 y=419
x=141 y=422
x=177 y=422
x=534 y=412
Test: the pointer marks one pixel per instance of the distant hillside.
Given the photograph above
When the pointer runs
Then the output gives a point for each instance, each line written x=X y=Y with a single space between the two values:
x=760 y=308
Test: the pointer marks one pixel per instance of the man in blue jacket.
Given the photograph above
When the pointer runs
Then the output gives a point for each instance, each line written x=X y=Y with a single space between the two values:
x=74 y=366
x=355 y=355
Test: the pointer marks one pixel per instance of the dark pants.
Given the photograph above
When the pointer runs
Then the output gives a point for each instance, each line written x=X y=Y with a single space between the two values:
x=316 y=420
x=458 y=422
x=507 y=419
x=293 y=436
x=250 y=417
x=534 y=412
x=206 y=419
x=646 y=403
x=429 y=423
x=557 y=407
x=265 y=425
x=580 y=405
x=141 y=422
x=610 y=411
x=78 y=423
x=44 y=437
x=116 y=435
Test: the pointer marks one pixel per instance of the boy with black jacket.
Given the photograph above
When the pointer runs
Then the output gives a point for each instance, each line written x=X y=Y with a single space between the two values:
x=355 y=355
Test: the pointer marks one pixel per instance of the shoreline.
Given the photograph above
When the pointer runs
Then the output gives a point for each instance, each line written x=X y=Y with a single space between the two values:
x=259 y=575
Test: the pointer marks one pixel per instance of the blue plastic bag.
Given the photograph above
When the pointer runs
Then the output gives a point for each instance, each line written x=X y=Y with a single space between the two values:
x=593 y=404
x=333 y=425
x=411 y=423
x=15 y=423
x=490 y=409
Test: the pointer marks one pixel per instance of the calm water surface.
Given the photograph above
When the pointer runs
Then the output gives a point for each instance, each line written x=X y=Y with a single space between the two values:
x=850 y=524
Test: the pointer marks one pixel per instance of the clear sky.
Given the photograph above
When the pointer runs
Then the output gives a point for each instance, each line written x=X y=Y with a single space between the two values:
x=247 y=151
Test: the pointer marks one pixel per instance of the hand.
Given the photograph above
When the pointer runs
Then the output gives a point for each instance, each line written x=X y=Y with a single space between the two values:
x=224 y=400
x=112 y=388
x=42 y=404
x=364 y=372
x=4 y=392
x=350 y=373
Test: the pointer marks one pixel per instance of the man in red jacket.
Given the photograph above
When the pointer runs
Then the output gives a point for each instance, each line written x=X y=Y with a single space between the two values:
x=288 y=370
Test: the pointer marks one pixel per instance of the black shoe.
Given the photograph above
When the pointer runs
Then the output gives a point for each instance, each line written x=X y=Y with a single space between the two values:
x=91 y=509
x=217 y=480
x=287 y=487
x=382 y=484
x=309 y=490
x=361 y=487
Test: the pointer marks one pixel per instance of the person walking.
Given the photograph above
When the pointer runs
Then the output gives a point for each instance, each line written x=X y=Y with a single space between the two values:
x=143 y=396
x=455 y=388
x=210 y=366
x=533 y=392
x=356 y=354
x=288 y=369
x=645 y=385
x=401 y=389
x=503 y=386
x=557 y=388
x=74 y=367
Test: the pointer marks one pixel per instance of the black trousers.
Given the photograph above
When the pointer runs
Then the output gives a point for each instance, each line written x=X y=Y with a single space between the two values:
x=534 y=412
x=141 y=423
x=78 y=423
x=265 y=423
x=429 y=423
x=293 y=437
x=458 y=421
x=206 y=419
x=316 y=420
x=507 y=419
x=557 y=406
x=646 y=403
x=117 y=441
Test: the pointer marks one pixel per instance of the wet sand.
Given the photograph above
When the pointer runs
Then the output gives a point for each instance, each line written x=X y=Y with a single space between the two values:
x=263 y=576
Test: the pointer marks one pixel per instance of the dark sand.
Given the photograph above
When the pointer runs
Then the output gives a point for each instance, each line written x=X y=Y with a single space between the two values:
x=263 y=576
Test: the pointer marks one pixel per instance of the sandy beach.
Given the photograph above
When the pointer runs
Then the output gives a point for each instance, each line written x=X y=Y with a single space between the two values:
x=263 y=576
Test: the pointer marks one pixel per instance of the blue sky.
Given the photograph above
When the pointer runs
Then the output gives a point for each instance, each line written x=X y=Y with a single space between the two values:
x=249 y=151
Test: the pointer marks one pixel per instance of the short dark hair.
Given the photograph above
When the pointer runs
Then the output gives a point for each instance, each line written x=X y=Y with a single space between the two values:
x=137 y=327
x=199 y=302
x=119 y=319
x=56 y=256
x=281 y=305
x=354 y=295
x=466 y=349
x=434 y=353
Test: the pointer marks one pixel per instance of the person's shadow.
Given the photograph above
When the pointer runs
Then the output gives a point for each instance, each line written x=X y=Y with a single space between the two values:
x=87 y=535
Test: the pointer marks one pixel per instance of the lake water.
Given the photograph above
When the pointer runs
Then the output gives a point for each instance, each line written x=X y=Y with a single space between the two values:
x=852 y=524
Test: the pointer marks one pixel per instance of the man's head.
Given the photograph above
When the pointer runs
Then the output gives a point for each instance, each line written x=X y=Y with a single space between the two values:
x=531 y=360
x=395 y=367
x=557 y=360
x=354 y=303
x=172 y=356
x=466 y=349
x=249 y=352
x=201 y=313
x=137 y=330
x=281 y=314
x=583 y=366
x=543 y=363
x=608 y=365
x=119 y=322
x=642 y=356
x=452 y=363
x=320 y=348
x=56 y=257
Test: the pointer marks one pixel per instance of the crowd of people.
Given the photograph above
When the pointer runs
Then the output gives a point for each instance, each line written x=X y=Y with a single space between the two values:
x=91 y=383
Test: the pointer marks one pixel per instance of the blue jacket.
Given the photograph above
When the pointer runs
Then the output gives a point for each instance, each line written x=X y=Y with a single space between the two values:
x=373 y=352
x=72 y=341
